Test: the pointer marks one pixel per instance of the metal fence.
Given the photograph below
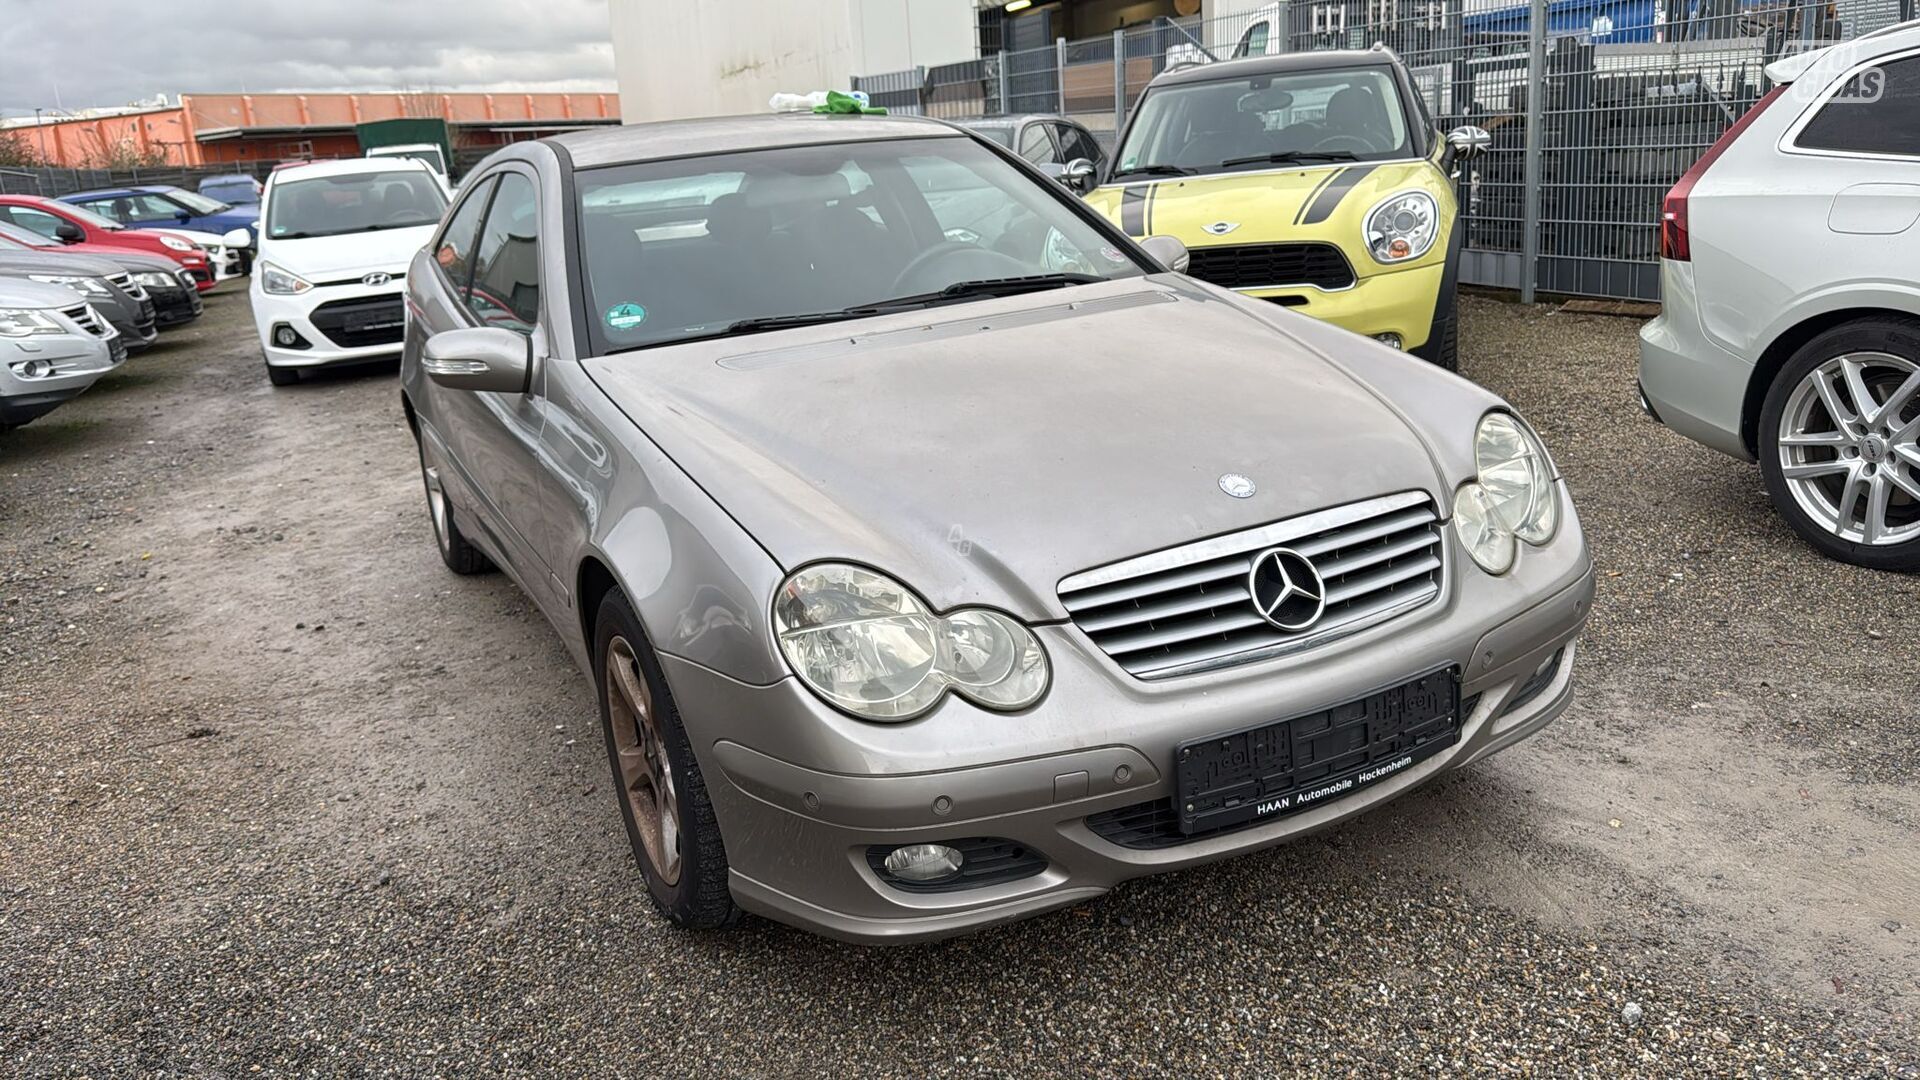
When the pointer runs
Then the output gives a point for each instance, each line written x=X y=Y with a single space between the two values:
x=55 y=182
x=1595 y=106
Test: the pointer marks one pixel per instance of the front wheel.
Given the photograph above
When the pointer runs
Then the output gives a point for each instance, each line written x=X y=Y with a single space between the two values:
x=663 y=800
x=460 y=555
x=1840 y=443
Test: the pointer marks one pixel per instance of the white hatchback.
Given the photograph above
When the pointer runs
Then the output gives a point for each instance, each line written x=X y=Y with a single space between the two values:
x=1790 y=329
x=335 y=241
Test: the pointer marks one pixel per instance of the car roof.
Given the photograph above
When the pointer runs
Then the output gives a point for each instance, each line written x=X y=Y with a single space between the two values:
x=143 y=189
x=347 y=167
x=1016 y=118
x=665 y=139
x=1293 y=63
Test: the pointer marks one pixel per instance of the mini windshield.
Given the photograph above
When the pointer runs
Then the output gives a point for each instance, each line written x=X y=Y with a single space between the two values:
x=1350 y=115
x=195 y=202
x=734 y=243
x=353 y=203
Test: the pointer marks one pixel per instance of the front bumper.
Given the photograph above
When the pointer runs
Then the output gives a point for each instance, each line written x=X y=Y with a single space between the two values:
x=1386 y=302
x=801 y=791
x=328 y=342
x=80 y=361
x=1689 y=382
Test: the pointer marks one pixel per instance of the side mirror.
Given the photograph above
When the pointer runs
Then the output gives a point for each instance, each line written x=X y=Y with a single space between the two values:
x=482 y=358
x=1079 y=175
x=1168 y=251
x=1468 y=141
x=68 y=233
x=182 y=216
x=237 y=238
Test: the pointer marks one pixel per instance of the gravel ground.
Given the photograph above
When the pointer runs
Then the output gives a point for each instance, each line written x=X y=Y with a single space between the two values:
x=279 y=794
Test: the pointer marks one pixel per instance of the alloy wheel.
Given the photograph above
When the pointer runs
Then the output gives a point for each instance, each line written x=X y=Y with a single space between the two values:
x=646 y=776
x=437 y=506
x=1849 y=445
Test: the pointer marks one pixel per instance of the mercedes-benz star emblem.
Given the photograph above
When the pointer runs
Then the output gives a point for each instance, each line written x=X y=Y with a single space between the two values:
x=376 y=278
x=1287 y=591
x=1238 y=486
x=1220 y=228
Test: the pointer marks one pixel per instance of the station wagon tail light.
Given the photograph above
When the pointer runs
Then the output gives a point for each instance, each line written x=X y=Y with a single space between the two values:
x=865 y=643
x=1674 y=242
x=1402 y=227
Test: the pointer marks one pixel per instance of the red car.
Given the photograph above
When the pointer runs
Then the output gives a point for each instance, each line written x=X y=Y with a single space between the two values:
x=71 y=224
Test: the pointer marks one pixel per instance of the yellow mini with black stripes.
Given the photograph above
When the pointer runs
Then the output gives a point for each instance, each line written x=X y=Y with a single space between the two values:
x=1314 y=180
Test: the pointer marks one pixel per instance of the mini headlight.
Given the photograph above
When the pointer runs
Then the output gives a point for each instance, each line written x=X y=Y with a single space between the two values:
x=87 y=285
x=178 y=244
x=1402 y=227
x=867 y=644
x=278 y=282
x=1511 y=500
x=19 y=322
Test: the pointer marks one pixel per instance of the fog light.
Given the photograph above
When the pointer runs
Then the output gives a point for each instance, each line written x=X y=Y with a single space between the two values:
x=923 y=862
x=33 y=369
x=1391 y=341
x=285 y=337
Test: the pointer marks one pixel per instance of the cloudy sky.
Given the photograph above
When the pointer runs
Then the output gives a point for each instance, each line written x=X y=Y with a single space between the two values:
x=111 y=52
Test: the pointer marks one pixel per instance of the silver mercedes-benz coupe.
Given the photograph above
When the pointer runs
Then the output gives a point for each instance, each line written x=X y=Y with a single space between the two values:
x=941 y=555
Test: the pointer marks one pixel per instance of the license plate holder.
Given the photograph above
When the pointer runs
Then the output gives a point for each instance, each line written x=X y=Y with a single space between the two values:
x=1291 y=765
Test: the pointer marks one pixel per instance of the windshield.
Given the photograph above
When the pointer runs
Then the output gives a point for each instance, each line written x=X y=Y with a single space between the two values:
x=353 y=203
x=1351 y=115
x=17 y=236
x=195 y=202
x=694 y=247
x=232 y=192
x=430 y=156
x=82 y=214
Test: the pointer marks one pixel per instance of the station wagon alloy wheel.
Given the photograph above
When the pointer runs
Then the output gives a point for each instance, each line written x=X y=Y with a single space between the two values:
x=1849 y=446
x=645 y=773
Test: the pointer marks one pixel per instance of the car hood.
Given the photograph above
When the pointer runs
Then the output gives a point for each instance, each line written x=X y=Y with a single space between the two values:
x=54 y=263
x=21 y=293
x=1261 y=205
x=349 y=254
x=985 y=451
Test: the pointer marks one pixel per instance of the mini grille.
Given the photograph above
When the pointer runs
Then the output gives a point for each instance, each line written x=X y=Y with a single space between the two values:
x=1269 y=266
x=87 y=320
x=1188 y=609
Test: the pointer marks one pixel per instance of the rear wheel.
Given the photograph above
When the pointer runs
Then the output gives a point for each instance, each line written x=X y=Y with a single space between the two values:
x=663 y=800
x=460 y=556
x=1840 y=443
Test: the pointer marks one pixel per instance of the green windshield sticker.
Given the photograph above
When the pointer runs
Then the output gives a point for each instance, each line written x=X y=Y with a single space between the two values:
x=626 y=316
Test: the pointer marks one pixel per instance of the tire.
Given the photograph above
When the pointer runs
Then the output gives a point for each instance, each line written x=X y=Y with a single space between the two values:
x=685 y=866
x=283 y=376
x=1442 y=347
x=460 y=556
x=1854 y=488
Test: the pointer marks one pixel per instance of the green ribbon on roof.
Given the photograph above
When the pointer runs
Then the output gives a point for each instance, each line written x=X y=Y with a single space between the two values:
x=839 y=104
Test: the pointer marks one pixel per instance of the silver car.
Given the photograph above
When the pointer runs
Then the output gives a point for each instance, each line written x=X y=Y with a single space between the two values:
x=939 y=567
x=53 y=346
x=1790 y=326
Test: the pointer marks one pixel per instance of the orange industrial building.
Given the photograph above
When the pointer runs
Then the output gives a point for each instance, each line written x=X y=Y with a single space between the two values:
x=213 y=129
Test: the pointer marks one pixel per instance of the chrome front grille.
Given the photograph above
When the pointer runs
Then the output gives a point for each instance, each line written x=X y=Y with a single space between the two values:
x=1189 y=608
x=87 y=320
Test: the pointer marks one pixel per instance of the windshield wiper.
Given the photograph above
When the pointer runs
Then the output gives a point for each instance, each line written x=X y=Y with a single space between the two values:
x=1287 y=156
x=959 y=290
x=1153 y=170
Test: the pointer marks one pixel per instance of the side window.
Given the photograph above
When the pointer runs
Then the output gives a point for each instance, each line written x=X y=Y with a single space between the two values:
x=1076 y=143
x=455 y=252
x=1254 y=41
x=34 y=220
x=506 y=275
x=1035 y=146
x=1877 y=111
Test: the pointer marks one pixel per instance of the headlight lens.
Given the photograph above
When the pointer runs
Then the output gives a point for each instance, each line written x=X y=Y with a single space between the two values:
x=868 y=645
x=1511 y=500
x=18 y=322
x=278 y=282
x=1402 y=227
x=154 y=279
x=90 y=286
x=178 y=244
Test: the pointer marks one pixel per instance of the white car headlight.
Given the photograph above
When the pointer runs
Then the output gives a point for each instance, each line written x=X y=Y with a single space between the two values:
x=20 y=322
x=1512 y=499
x=1402 y=227
x=87 y=285
x=178 y=244
x=278 y=282
x=867 y=644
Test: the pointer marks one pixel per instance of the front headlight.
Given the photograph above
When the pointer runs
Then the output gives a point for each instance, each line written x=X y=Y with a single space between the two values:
x=278 y=282
x=19 y=322
x=867 y=644
x=178 y=244
x=87 y=285
x=1511 y=500
x=1402 y=227
x=154 y=279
